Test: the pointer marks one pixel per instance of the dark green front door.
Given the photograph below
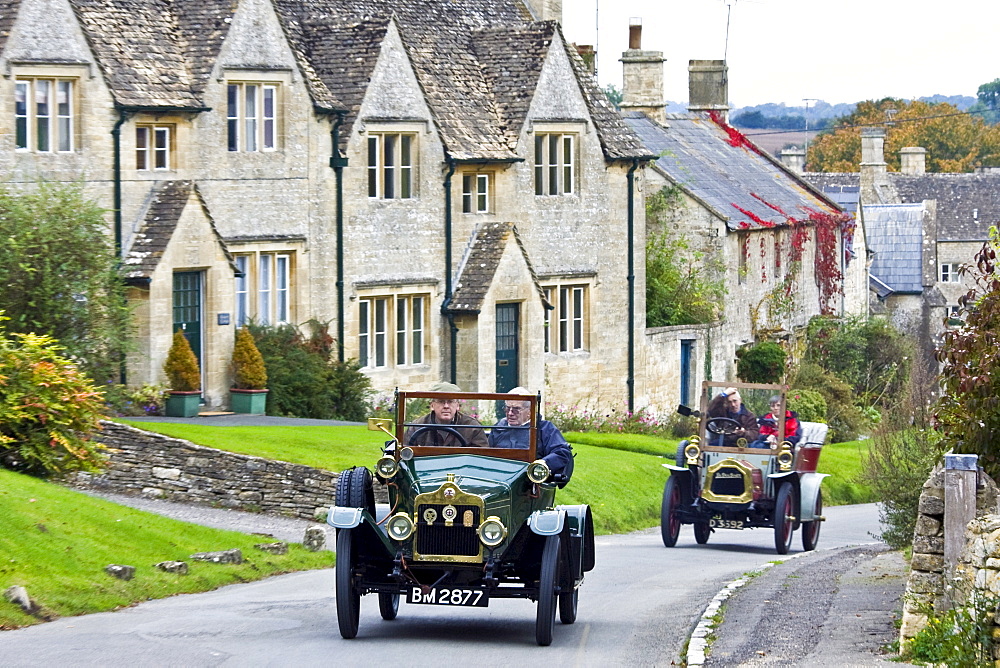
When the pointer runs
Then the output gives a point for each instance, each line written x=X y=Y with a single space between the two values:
x=508 y=321
x=187 y=308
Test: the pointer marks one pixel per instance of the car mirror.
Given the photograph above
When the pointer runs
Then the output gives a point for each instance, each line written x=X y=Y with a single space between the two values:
x=381 y=424
x=687 y=411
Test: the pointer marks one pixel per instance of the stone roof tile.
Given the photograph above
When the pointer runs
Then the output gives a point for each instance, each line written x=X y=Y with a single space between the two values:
x=967 y=204
x=480 y=266
x=8 y=12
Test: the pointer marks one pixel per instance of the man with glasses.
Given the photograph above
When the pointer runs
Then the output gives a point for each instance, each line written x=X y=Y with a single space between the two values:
x=549 y=443
x=445 y=412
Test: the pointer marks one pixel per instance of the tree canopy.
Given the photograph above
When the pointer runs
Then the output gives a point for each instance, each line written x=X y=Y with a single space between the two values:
x=955 y=141
x=59 y=275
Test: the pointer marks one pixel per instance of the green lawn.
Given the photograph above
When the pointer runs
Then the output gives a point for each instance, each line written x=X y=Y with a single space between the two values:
x=55 y=542
x=844 y=462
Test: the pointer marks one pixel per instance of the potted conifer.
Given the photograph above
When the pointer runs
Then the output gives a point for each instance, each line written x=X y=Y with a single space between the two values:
x=249 y=376
x=184 y=378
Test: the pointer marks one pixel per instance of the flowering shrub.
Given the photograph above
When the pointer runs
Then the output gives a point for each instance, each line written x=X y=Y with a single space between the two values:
x=613 y=421
x=135 y=401
x=48 y=409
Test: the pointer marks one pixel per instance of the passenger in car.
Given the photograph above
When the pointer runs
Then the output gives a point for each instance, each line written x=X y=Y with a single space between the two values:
x=769 y=426
x=729 y=404
x=445 y=412
x=549 y=442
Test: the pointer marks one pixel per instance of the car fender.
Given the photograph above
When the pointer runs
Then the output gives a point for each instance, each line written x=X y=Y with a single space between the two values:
x=340 y=517
x=547 y=522
x=809 y=484
x=580 y=522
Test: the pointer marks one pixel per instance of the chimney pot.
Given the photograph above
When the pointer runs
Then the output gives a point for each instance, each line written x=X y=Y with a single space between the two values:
x=708 y=86
x=912 y=160
x=635 y=33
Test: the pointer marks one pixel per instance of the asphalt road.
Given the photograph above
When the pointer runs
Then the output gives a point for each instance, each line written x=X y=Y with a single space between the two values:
x=636 y=608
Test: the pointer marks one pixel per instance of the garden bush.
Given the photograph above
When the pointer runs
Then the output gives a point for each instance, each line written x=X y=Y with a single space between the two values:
x=48 y=409
x=761 y=363
x=809 y=404
x=249 y=372
x=181 y=366
x=303 y=379
x=125 y=401
x=845 y=419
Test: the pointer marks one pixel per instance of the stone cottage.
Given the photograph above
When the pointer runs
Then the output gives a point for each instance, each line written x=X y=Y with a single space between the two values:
x=442 y=181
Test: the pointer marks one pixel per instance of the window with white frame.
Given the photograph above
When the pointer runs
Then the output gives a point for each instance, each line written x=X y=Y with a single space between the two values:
x=949 y=273
x=251 y=117
x=263 y=293
x=43 y=115
x=475 y=193
x=566 y=325
x=555 y=163
x=152 y=147
x=392 y=330
x=391 y=162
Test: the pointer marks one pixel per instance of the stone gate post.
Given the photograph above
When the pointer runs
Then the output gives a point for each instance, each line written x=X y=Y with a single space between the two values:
x=959 y=505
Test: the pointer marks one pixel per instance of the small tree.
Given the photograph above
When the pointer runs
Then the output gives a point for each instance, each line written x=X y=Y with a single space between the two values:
x=48 y=409
x=249 y=372
x=181 y=366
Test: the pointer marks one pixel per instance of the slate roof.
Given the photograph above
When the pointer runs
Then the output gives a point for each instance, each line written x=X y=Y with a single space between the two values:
x=477 y=62
x=169 y=198
x=842 y=188
x=480 y=266
x=895 y=233
x=8 y=12
x=967 y=204
x=740 y=184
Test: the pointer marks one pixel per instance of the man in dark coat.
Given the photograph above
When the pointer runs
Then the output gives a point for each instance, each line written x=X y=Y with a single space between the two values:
x=445 y=412
x=549 y=442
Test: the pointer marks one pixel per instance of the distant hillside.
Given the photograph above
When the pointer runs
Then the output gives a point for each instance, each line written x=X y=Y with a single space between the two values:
x=820 y=114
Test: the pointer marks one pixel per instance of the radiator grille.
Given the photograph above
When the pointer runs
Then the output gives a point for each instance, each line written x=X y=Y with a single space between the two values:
x=728 y=481
x=435 y=538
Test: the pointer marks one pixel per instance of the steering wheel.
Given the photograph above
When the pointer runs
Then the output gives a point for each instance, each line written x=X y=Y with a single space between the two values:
x=462 y=442
x=722 y=425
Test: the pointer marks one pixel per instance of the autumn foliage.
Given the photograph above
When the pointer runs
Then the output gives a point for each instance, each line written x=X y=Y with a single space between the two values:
x=955 y=141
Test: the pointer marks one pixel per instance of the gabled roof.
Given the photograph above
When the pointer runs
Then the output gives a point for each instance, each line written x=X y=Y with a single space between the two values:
x=169 y=198
x=480 y=266
x=895 y=232
x=737 y=181
x=967 y=204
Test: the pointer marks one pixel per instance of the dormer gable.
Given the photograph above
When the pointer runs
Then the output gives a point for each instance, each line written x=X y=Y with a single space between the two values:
x=44 y=31
x=256 y=40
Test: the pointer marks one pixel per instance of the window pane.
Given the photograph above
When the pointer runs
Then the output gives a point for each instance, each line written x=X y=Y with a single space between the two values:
x=567 y=161
x=405 y=167
x=578 y=319
x=401 y=331
x=547 y=334
x=21 y=114
x=482 y=198
x=42 y=113
x=539 y=165
x=250 y=111
x=553 y=164
x=242 y=296
x=281 y=288
x=162 y=148
x=380 y=317
x=467 y=193
x=373 y=166
x=264 y=290
x=563 y=315
x=389 y=162
x=363 y=336
x=64 y=112
x=269 y=116
x=142 y=148
x=232 y=116
x=418 y=330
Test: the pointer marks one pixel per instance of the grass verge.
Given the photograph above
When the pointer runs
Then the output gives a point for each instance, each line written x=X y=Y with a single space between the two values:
x=55 y=542
x=844 y=461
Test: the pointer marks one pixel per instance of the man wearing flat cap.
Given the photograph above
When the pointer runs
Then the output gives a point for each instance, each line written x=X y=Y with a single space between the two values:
x=444 y=411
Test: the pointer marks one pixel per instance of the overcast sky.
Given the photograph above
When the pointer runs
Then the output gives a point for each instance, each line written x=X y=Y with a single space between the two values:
x=789 y=50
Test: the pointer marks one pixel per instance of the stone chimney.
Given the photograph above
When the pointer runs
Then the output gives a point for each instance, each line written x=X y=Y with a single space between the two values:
x=708 y=86
x=875 y=185
x=642 y=88
x=912 y=160
x=588 y=55
x=545 y=10
x=794 y=159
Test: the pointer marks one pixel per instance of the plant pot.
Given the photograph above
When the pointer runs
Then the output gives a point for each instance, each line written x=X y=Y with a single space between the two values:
x=248 y=401
x=183 y=404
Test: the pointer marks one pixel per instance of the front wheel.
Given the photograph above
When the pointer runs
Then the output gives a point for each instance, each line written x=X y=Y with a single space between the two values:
x=701 y=532
x=348 y=598
x=670 y=523
x=784 y=519
x=547 y=579
x=568 y=602
x=810 y=530
x=388 y=606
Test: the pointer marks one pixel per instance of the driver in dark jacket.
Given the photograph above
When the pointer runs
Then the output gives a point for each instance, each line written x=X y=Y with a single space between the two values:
x=729 y=404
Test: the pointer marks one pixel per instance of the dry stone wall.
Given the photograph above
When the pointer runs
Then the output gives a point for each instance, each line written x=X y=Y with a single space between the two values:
x=979 y=564
x=157 y=466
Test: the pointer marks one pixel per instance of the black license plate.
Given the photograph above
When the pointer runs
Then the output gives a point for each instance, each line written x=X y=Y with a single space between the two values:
x=456 y=596
x=719 y=523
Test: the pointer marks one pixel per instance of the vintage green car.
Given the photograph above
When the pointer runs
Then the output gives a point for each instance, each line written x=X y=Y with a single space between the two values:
x=465 y=524
x=729 y=477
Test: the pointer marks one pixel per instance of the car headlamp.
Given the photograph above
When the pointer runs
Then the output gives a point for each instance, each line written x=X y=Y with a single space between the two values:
x=538 y=471
x=492 y=532
x=406 y=454
x=691 y=452
x=386 y=467
x=785 y=460
x=399 y=526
